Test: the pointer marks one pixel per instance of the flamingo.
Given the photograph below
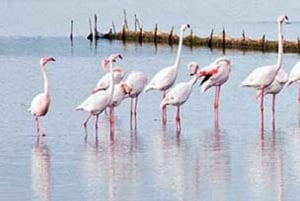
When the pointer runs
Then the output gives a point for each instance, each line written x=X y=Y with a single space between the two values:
x=295 y=77
x=180 y=93
x=215 y=74
x=261 y=77
x=104 y=81
x=118 y=95
x=133 y=86
x=274 y=88
x=166 y=77
x=96 y=103
x=41 y=102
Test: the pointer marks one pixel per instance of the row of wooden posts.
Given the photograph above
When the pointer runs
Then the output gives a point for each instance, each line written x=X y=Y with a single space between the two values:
x=221 y=40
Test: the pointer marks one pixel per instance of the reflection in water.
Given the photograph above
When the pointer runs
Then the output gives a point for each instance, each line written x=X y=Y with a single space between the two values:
x=265 y=169
x=109 y=169
x=40 y=174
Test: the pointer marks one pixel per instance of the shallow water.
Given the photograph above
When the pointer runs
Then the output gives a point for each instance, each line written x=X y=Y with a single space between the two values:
x=235 y=161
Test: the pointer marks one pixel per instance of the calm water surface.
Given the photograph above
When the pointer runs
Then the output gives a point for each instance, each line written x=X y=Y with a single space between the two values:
x=237 y=161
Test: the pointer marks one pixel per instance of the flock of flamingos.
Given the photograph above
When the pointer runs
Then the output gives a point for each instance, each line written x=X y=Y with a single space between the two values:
x=112 y=88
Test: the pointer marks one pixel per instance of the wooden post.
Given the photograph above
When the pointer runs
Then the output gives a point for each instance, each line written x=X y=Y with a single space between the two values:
x=96 y=33
x=263 y=41
x=135 y=25
x=191 y=38
x=209 y=44
x=244 y=36
x=124 y=32
x=155 y=34
x=171 y=39
x=223 y=39
x=141 y=35
x=113 y=27
x=90 y=36
x=298 y=43
x=125 y=19
x=71 y=34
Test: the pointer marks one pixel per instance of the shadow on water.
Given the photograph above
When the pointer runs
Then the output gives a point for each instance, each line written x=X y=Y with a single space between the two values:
x=40 y=172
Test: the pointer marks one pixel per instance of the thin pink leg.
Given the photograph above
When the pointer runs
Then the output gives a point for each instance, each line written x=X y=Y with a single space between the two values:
x=85 y=126
x=177 y=118
x=164 y=110
x=96 y=127
x=37 y=125
x=262 y=108
x=216 y=105
x=131 y=112
x=273 y=108
x=135 y=111
x=111 y=115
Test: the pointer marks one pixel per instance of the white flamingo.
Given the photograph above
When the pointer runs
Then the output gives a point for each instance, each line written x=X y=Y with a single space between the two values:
x=215 y=75
x=180 y=93
x=97 y=102
x=261 y=77
x=134 y=85
x=41 y=102
x=166 y=77
x=295 y=77
x=118 y=74
x=274 y=88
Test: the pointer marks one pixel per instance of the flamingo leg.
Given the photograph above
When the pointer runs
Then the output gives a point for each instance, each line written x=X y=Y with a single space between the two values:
x=164 y=110
x=135 y=111
x=111 y=115
x=273 y=108
x=85 y=126
x=37 y=125
x=96 y=127
x=177 y=118
x=262 y=107
x=216 y=104
x=131 y=112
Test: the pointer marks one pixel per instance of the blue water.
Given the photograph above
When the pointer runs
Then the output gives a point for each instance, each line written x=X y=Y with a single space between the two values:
x=237 y=161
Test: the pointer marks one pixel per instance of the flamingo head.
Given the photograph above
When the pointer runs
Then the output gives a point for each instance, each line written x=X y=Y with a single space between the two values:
x=184 y=27
x=282 y=18
x=45 y=60
x=114 y=57
x=193 y=67
x=104 y=64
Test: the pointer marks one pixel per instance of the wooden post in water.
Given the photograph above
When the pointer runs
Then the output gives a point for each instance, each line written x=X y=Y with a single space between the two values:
x=209 y=43
x=125 y=19
x=171 y=38
x=124 y=32
x=96 y=33
x=90 y=36
x=223 y=39
x=263 y=43
x=155 y=34
x=298 y=44
x=71 y=34
x=191 y=38
x=141 y=35
x=113 y=28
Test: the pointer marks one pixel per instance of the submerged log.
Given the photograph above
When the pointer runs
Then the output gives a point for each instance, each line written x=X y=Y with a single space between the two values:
x=223 y=40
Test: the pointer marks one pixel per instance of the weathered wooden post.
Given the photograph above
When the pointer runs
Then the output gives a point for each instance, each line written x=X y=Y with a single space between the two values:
x=191 y=38
x=113 y=28
x=125 y=19
x=90 y=36
x=96 y=33
x=141 y=35
x=124 y=32
x=223 y=39
x=171 y=38
x=71 y=34
x=210 y=40
x=263 y=43
x=155 y=34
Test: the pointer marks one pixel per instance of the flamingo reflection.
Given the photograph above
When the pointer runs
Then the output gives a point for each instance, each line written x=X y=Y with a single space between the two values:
x=40 y=172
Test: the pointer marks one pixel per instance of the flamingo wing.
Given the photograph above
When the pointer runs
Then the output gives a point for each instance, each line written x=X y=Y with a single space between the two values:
x=96 y=102
x=294 y=74
x=40 y=104
x=178 y=94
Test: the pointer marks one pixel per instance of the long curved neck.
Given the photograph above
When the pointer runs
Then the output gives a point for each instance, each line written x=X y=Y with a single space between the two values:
x=194 y=79
x=46 y=81
x=111 y=89
x=280 y=46
x=179 y=49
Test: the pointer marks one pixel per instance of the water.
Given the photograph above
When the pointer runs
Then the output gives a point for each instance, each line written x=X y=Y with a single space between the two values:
x=238 y=161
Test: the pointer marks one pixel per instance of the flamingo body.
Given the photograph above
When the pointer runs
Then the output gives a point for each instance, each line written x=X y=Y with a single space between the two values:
x=294 y=74
x=135 y=83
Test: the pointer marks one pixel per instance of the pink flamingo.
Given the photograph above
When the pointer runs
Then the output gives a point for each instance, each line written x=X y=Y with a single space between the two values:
x=96 y=103
x=179 y=94
x=274 y=88
x=134 y=85
x=118 y=74
x=295 y=77
x=215 y=74
x=261 y=77
x=41 y=102
x=166 y=77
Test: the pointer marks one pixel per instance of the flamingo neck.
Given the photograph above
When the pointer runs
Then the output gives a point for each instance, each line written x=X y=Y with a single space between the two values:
x=194 y=79
x=112 y=84
x=177 y=61
x=46 y=81
x=280 y=46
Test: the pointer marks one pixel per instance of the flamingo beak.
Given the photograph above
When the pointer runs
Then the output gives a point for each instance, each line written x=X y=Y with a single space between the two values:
x=52 y=59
